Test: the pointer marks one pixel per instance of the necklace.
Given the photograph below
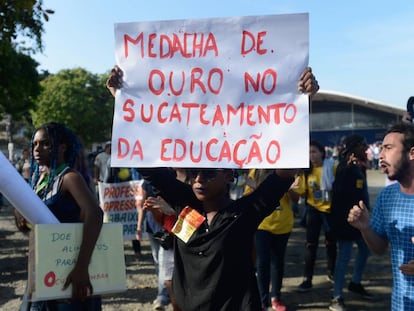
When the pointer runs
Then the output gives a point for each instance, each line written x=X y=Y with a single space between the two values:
x=43 y=183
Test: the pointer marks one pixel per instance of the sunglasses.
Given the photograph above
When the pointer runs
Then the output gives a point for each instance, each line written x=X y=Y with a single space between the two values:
x=205 y=173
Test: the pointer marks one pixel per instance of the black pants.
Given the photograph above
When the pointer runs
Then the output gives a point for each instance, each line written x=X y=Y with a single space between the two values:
x=315 y=221
x=136 y=245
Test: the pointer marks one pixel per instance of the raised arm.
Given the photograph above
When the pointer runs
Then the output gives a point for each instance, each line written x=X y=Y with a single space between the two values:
x=307 y=82
x=166 y=184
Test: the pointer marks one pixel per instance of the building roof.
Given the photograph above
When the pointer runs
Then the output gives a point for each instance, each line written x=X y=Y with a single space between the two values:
x=324 y=95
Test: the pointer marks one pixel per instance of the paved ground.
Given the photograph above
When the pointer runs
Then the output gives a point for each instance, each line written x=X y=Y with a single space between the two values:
x=141 y=281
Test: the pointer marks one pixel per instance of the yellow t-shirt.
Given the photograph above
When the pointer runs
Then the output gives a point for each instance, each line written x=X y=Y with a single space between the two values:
x=314 y=194
x=279 y=221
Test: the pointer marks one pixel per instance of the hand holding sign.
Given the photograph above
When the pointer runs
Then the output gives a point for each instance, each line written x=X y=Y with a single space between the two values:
x=307 y=83
x=115 y=80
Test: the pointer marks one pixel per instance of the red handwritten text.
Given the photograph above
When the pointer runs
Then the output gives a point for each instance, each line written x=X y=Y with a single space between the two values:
x=121 y=205
x=213 y=81
x=249 y=115
x=187 y=45
x=123 y=191
x=255 y=44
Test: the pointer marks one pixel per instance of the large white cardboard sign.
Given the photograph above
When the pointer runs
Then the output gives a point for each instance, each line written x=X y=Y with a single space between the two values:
x=218 y=92
x=18 y=192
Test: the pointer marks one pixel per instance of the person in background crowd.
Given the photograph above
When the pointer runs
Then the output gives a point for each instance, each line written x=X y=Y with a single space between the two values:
x=91 y=160
x=61 y=180
x=157 y=205
x=328 y=152
x=350 y=187
x=23 y=167
x=23 y=164
x=238 y=186
x=370 y=157
x=392 y=220
x=408 y=116
x=316 y=185
x=375 y=155
x=335 y=153
x=165 y=215
x=271 y=241
x=148 y=224
x=101 y=164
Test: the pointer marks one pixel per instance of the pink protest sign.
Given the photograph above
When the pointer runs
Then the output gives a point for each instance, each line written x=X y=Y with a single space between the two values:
x=218 y=92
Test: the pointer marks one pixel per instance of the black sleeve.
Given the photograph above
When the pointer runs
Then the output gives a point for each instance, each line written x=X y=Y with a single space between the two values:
x=353 y=186
x=166 y=185
x=347 y=191
x=267 y=195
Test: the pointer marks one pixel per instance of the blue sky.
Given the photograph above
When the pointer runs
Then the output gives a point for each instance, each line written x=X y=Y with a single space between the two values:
x=363 y=48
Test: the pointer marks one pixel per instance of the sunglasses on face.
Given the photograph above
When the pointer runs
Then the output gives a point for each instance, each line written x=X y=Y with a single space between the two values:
x=205 y=173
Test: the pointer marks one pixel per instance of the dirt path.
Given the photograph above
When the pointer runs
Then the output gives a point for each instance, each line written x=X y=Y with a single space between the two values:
x=141 y=281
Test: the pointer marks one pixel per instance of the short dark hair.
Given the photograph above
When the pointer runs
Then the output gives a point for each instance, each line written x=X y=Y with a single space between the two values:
x=410 y=100
x=407 y=129
x=320 y=147
x=353 y=140
x=351 y=143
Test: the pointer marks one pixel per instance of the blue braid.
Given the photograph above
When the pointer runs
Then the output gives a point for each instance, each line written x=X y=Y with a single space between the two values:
x=34 y=167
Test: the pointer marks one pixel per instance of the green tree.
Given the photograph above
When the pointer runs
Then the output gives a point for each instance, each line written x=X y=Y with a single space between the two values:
x=80 y=100
x=22 y=20
x=21 y=28
x=19 y=83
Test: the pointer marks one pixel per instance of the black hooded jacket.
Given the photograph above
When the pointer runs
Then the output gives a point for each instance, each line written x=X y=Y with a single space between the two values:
x=349 y=188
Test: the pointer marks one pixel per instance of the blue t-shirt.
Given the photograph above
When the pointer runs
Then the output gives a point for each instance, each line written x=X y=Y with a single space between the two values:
x=393 y=219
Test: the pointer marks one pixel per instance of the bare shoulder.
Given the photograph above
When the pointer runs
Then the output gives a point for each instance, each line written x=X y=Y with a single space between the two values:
x=72 y=179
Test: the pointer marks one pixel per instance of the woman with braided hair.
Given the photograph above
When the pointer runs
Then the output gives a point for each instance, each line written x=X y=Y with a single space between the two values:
x=56 y=156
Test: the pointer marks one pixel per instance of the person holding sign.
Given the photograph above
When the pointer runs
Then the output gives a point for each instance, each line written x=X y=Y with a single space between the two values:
x=214 y=267
x=56 y=151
